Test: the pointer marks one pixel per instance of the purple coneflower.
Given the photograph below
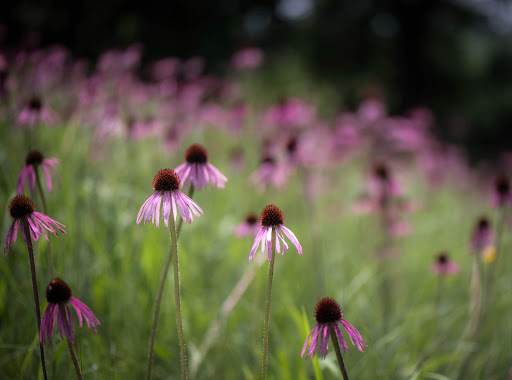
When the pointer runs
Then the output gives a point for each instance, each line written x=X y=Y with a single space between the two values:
x=34 y=112
x=444 y=266
x=22 y=208
x=382 y=185
x=167 y=187
x=58 y=295
x=198 y=171
x=248 y=227
x=33 y=160
x=501 y=195
x=482 y=236
x=328 y=312
x=272 y=217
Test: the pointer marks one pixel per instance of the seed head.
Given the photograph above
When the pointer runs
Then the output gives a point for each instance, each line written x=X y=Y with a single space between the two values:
x=20 y=206
x=271 y=216
x=502 y=185
x=35 y=103
x=58 y=291
x=251 y=219
x=166 y=180
x=34 y=158
x=196 y=154
x=327 y=310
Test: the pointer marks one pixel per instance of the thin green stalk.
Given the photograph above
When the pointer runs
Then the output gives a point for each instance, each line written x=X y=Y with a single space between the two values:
x=267 y=306
x=72 y=351
x=177 y=297
x=45 y=210
x=170 y=257
x=492 y=267
x=34 y=287
x=336 y=345
x=180 y=223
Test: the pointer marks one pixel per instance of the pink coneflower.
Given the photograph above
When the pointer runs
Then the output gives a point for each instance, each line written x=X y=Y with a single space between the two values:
x=22 y=208
x=444 y=266
x=501 y=195
x=247 y=58
x=270 y=172
x=167 y=187
x=34 y=112
x=198 y=171
x=328 y=312
x=272 y=217
x=58 y=294
x=33 y=160
x=382 y=185
x=249 y=227
x=482 y=236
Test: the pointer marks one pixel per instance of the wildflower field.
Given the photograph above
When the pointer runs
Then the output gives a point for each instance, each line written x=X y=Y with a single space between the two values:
x=378 y=215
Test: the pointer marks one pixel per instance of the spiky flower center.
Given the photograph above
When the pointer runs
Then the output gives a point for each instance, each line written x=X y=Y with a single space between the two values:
x=483 y=224
x=291 y=145
x=271 y=216
x=166 y=180
x=381 y=172
x=327 y=310
x=34 y=158
x=196 y=154
x=20 y=206
x=251 y=219
x=442 y=258
x=35 y=103
x=502 y=185
x=58 y=291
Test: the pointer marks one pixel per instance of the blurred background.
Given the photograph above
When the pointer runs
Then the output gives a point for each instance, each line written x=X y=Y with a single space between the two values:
x=452 y=56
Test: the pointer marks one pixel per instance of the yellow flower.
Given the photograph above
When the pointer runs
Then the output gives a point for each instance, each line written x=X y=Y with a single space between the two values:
x=489 y=254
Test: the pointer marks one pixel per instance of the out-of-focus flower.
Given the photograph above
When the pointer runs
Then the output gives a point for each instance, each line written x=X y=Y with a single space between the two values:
x=58 y=295
x=249 y=227
x=489 y=254
x=33 y=160
x=482 y=236
x=247 y=58
x=22 y=209
x=270 y=172
x=328 y=312
x=35 y=112
x=167 y=187
x=501 y=195
x=196 y=169
x=443 y=265
x=272 y=218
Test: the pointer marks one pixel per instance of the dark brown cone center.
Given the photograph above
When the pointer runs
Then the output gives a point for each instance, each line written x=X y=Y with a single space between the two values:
x=502 y=186
x=166 y=180
x=442 y=258
x=327 y=310
x=34 y=158
x=20 y=206
x=35 y=103
x=196 y=154
x=58 y=291
x=271 y=216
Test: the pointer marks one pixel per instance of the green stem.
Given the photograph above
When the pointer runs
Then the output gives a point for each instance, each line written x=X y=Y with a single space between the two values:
x=267 y=306
x=492 y=267
x=170 y=257
x=174 y=241
x=180 y=223
x=45 y=210
x=34 y=287
x=72 y=351
x=338 y=351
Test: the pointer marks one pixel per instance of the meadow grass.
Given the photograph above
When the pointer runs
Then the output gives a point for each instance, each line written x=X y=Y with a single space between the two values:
x=114 y=267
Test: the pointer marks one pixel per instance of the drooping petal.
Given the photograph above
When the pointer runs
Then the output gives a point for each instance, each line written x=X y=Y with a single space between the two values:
x=341 y=339
x=22 y=178
x=259 y=236
x=69 y=329
x=47 y=322
x=314 y=341
x=306 y=342
x=48 y=177
x=61 y=321
x=354 y=335
x=324 y=340
x=82 y=309
x=166 y=209
x=292 y=238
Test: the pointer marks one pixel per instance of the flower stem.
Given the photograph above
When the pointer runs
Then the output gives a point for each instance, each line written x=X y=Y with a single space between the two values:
x=45 y=210
x=72 y=350
x=170 y=257
x=337 y=350
x=267 y=306
x=34 y=287
x=492 y=268
x=180 y=223
x=174 y=249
